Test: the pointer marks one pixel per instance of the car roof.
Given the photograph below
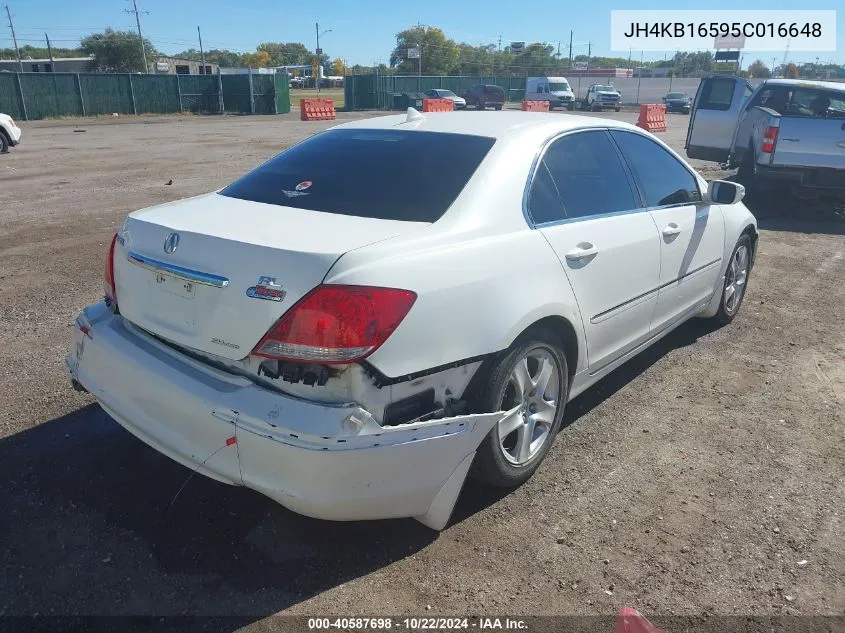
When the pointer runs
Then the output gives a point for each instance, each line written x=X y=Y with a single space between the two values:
x=807 y=83
x=492 y=124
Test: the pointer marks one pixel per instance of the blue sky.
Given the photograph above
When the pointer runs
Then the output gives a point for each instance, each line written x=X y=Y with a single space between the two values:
x=362 y=31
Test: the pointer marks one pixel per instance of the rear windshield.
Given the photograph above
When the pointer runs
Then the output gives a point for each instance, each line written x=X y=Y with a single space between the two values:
x=384 y=174
x=676 y=95
x=494 y=90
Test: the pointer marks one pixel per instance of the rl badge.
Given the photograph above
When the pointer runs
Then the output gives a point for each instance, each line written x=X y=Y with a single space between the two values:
x=266 y=288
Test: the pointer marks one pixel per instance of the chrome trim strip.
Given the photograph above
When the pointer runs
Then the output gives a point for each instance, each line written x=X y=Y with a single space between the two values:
x=196 y=276
x=653 y=290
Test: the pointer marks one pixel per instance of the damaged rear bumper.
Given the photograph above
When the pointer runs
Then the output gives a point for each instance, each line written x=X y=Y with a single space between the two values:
x=329 y=461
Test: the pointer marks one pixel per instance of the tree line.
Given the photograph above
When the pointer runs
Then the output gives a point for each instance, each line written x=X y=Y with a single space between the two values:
x=120 y=51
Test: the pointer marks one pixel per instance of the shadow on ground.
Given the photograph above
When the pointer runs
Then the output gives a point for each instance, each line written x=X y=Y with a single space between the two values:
x=778 y=209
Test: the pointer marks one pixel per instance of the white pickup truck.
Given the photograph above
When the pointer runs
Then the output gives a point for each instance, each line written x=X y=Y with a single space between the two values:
x=10 y=133
x=785 y=131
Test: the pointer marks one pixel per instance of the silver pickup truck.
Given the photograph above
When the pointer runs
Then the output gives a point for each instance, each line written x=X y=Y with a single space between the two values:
x=786 y=131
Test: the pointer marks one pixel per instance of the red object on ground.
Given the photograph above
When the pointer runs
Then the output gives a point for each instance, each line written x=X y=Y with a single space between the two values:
x=630 y=620
x=652 y=117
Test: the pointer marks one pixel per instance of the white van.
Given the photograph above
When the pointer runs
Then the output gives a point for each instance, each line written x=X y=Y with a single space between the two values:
x=555 y=90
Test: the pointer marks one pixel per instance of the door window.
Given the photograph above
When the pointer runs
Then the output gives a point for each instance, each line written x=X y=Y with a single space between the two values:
x=587 y=174
x=663 y=179
x=717 y=94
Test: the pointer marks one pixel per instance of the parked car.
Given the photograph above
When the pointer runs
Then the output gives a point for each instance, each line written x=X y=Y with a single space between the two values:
x=484 y=96
x=678 y=102
x=600 y=96
x=459 y=103
x=786 y=131
x=555 y=90
x=353 y=351
x=10 y=133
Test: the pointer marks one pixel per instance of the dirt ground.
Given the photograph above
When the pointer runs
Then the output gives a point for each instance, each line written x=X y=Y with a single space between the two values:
x=705 y=477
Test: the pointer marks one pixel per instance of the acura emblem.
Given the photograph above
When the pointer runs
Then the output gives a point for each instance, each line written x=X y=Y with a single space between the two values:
x=171 y=243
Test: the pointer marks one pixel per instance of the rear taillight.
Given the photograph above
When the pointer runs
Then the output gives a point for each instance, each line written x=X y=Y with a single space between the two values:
x=335 y=324
x=769 y=140
x=108 y=282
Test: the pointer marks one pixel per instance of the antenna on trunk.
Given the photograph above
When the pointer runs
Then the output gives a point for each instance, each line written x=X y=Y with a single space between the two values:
x=414 y=115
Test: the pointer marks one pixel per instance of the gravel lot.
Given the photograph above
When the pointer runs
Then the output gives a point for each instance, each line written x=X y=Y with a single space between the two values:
x=692 y=481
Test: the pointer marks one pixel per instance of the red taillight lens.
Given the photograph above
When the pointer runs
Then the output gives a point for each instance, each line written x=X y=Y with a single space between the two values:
x=336 y=324
x=769 y=140
x=108 y=283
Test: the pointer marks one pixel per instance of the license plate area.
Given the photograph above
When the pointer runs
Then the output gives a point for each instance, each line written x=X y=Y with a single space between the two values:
x=174 y=285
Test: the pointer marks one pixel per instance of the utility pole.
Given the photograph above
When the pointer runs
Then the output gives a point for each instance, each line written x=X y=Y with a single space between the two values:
x=14 y=38
x=49 y=49
x=500 y=42
x=570 y=50
x=202 y=54
x=317 y=54
x=140 y=37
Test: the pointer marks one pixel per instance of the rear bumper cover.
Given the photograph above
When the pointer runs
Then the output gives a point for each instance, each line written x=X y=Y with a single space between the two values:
x=831 y=180
x=322 y=460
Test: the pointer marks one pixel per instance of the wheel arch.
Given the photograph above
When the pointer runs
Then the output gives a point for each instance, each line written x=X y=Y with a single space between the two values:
x=559 y=325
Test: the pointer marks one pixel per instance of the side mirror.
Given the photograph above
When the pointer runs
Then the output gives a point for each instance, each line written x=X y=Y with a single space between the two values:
x=724 y=192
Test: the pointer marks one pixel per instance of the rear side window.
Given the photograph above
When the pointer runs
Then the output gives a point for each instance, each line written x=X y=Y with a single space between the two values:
x=717 y=94
x=588 y=175
x=664 y=180
x=383 y=174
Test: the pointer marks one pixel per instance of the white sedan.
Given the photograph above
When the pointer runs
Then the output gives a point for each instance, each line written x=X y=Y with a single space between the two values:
x=365 y=319
x=459 y=103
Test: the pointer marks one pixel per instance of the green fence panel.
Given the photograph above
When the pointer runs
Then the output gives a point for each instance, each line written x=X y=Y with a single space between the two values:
x=282 y=88
x=105 y=94
x=264 y=94
x=155 y=94
x=236 y=94
x=199 y=93
x=10 y=97
x=50 y=94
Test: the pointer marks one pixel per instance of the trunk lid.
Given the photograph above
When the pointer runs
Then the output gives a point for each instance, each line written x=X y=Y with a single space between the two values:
x=237 y=266
x=810 y=142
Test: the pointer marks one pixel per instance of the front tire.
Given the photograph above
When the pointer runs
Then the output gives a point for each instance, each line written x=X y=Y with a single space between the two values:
x=4 y=143
x=736 y=281
x=532 y=379
x=570 y=106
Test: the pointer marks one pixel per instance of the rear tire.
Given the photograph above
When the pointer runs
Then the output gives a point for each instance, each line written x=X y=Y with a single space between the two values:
x=498 y=107
x=618 y=109
x=570 y=106
x=534 y=360
x=479 y=106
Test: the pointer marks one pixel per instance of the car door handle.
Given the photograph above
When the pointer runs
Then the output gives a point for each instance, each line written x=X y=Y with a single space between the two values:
x=582 y=251
x=671 y=229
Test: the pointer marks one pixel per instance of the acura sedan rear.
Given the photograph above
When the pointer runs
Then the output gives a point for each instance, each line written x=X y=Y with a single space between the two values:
x=360 y=322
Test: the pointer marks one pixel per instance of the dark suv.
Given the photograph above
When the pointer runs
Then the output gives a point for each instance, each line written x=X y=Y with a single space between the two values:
x=485 y=96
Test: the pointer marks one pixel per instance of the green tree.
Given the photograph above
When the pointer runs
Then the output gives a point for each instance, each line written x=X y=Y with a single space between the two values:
x=439 y=54
x=40 y=52
x=759 y=69
x=223 y=58
x=117 y=51
x=790 y=71
x=286 y=54
x=338 y=68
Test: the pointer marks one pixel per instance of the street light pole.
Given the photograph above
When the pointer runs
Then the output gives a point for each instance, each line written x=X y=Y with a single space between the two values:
x=319 y=52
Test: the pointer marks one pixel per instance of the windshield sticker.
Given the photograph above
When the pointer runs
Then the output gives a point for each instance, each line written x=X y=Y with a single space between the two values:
x=305 y=184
